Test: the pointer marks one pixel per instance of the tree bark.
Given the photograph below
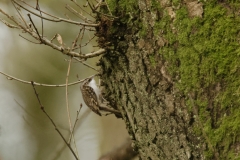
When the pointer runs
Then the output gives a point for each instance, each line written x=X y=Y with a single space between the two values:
x=167 y=70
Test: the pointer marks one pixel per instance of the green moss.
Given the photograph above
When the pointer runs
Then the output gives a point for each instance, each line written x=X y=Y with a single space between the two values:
x=204 y=52
x=176 y=2
x=152 y=60
x=126 y=12
x=143 y=31
x=122 y=5
x=112 y=5
x=155 y=5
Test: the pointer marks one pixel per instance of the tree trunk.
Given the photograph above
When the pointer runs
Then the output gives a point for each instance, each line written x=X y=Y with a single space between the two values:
x=172 y=68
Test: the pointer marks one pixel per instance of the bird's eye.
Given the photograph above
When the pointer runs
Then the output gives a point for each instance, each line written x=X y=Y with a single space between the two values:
x=89 y=80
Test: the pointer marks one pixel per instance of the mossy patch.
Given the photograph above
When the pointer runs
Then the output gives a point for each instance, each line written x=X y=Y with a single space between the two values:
x=204 y=53
x=125 y=6
x=203 y=59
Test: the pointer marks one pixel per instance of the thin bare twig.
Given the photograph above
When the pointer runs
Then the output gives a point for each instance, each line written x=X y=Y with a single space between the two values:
x=72 y=133
x=88 y=41
x=46 y=41
x=98 y=4
x=67 y=107
x=9 y=25
x=81 y=38
x=94 y=10
x=9 y=77
x=82 y=9
x=38 y=8
x=76 y=39
x=78 y=14
x=108 y=8
x=29 y=40
x=57 y=18
x=75 y=122
x=18 y=10
x=11 y=18
x=53 y=123
x=69 y=117
x=40 y=38
x=35 y=8
x=81 y=61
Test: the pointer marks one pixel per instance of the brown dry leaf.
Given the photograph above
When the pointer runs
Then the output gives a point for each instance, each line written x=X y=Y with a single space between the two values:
x=59 y=39
x=195 y=9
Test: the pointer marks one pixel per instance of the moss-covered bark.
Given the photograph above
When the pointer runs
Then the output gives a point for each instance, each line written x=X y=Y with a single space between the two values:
x=172 y=69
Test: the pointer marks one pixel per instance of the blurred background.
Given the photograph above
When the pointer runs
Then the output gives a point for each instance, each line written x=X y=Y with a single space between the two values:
x=25 y=131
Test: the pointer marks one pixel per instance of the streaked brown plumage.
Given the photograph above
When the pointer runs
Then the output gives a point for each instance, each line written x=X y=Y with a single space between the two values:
x=90 y=96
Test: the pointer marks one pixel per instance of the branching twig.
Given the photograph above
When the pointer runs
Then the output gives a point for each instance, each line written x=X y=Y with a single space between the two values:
x=76 y=39
x=81 y=38
x=53 y=15
x=53 y=123
x=78 y=14
x=57 y=18
x=38 y=84
x=33 y=31
x=29 y=40
x=94 y=10
x=38 y=8
x=75 y=122
x=46 y=41
x=67 y=106
x=68 y=111
x=35 y=8
x=81 y=61
x=40 y=38
x=82 y=8
x=72 y=133
x=18 y=10
x=9 y=25
x=88 y=41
